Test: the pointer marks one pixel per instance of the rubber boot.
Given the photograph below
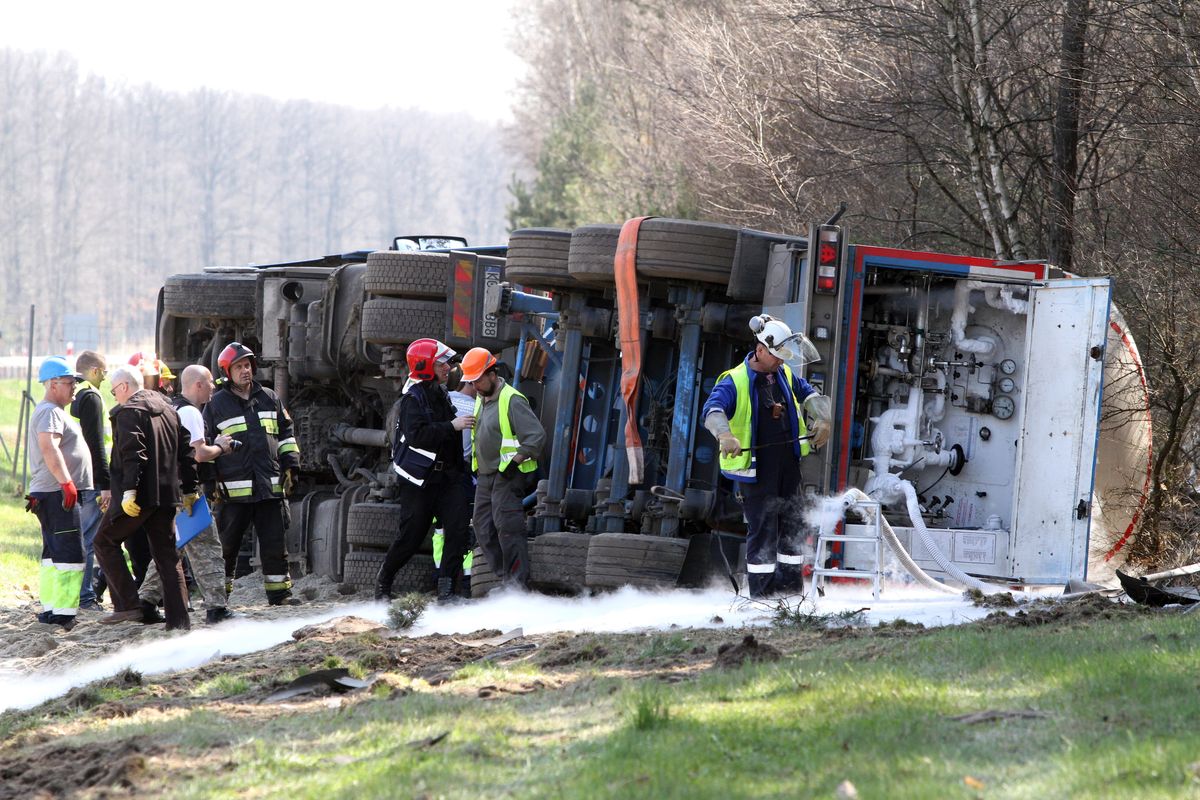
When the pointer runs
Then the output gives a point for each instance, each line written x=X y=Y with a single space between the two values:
x=216 y=615
x=383 y=585
x=464 y=587
x=445 y=590
x=150 y=615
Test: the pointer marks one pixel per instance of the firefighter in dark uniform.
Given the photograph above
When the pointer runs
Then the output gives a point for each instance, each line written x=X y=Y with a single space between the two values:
x=756 y=412
x=255 y=471
x=427 y=454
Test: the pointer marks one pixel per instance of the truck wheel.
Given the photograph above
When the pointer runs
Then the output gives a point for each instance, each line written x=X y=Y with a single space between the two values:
x=483 y=580
x=202 y=294
x=415 y=576
x=593 y=248
x=537 y=258
x=678 y=249
x=558 y=561
x=621 y=559
x=393 y=274
x=391 y=320
x=373 y=525
x=361 y=568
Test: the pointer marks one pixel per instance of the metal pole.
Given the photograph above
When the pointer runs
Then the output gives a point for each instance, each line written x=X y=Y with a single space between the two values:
x=26 y=410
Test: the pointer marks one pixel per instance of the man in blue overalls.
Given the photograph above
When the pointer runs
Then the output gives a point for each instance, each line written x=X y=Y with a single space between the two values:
x=756 y=412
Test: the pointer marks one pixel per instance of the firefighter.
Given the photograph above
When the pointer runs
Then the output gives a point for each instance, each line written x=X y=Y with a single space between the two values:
x=60 y=469
x=427 y=454
x=505 y=443
x=256 y=469
x=756 y=412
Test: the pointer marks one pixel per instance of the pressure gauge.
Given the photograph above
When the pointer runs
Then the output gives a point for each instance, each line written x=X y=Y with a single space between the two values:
x=1008 y=366
x=1007 y=385
x=1003 y=406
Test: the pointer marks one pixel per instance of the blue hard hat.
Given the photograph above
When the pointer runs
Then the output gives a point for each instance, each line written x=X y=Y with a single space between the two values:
x=56 y=367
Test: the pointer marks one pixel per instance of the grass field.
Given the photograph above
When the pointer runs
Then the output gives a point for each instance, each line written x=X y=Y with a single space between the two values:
x=1101 y=706
x=20 y=540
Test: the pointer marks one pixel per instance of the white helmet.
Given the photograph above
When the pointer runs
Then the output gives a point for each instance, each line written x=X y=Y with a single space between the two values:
x=777 y=337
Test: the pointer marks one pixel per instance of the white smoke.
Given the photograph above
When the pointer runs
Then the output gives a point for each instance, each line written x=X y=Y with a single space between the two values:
x=625 y=610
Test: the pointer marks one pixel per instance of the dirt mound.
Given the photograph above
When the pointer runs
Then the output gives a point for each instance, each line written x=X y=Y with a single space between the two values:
x=731 y=656
x=55 y=770
x=1062 y=612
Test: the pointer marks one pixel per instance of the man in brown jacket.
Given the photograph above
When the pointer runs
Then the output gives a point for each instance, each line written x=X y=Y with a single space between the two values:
x=151 y=462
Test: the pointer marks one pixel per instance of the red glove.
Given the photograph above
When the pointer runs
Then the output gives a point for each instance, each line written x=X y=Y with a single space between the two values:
x=70 y=495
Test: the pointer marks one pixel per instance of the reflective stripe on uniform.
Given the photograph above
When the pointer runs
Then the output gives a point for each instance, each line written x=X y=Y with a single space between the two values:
x=276 y=583
x=407 y=476
x=232 y=425
x=288 y=446
x=760 y=568
x=59 y=586
x=786 y=559
x=238 y=488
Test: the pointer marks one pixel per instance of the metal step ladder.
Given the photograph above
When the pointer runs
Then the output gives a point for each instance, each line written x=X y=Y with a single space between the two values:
x=873 y=511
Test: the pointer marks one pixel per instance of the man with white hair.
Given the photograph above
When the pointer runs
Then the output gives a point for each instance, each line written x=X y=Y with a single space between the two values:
x=151 y=463
x=60 y=468
x=203 y=551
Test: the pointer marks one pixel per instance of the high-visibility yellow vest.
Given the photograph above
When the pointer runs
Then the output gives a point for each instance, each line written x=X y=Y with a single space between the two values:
x=741 y=424
x=509 y=445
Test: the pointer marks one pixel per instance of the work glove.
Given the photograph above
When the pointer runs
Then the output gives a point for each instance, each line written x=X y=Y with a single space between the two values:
x=129 y=503
x=820 y=412
x=189 y=500
x=70 y=495
x=288 y=481
x=730 y=445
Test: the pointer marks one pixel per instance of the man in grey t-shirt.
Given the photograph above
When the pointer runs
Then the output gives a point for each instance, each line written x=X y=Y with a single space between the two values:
x=61 y=466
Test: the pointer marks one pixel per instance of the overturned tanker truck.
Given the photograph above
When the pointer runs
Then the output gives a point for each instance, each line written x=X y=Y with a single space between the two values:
x=996 y=411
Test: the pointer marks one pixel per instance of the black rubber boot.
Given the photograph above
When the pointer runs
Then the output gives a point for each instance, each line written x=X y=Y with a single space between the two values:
x=150 y=615
x=464 y=587
x=215 y=615
x=283 y=598
x=383 y=585
x=445 y=590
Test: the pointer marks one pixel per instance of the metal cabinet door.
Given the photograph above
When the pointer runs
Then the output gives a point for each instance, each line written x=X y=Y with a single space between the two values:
x=1060 y=415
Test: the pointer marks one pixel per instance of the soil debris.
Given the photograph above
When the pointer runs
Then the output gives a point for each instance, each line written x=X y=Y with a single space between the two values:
x=731 y=656
x=55 y=770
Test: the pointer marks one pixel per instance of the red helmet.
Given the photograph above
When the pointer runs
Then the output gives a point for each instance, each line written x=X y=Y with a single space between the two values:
x=146 y=362
x=235 y=351
x=423 y=354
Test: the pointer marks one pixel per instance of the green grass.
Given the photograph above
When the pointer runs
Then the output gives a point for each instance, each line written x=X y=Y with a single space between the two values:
x=20 y=553
x=1116 y=701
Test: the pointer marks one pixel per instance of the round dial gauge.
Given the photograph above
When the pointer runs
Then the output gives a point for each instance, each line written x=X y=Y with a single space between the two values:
x=1007 y=384
x=1008 y=366
x=1003 y=407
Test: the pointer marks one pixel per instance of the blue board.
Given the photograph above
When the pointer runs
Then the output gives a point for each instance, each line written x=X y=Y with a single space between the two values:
x=188 y=528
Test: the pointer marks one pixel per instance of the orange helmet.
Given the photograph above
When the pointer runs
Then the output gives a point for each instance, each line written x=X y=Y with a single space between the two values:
x=476 y=362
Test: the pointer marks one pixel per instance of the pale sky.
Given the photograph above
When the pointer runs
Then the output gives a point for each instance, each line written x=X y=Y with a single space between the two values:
x=440 y=56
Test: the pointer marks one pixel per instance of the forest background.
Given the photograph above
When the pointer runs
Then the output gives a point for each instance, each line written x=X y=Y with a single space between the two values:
x=1064 y=130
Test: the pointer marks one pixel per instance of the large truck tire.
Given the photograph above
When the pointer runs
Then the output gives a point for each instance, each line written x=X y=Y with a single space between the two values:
x=537 y=258
x=483 y=580
x=400 y=321
x=373 y=525
x=397 y=274
x=203 y=294
x=593 y=250
x=677 y=249
x=362 y=568
x=631 y=559
x=558 y=562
